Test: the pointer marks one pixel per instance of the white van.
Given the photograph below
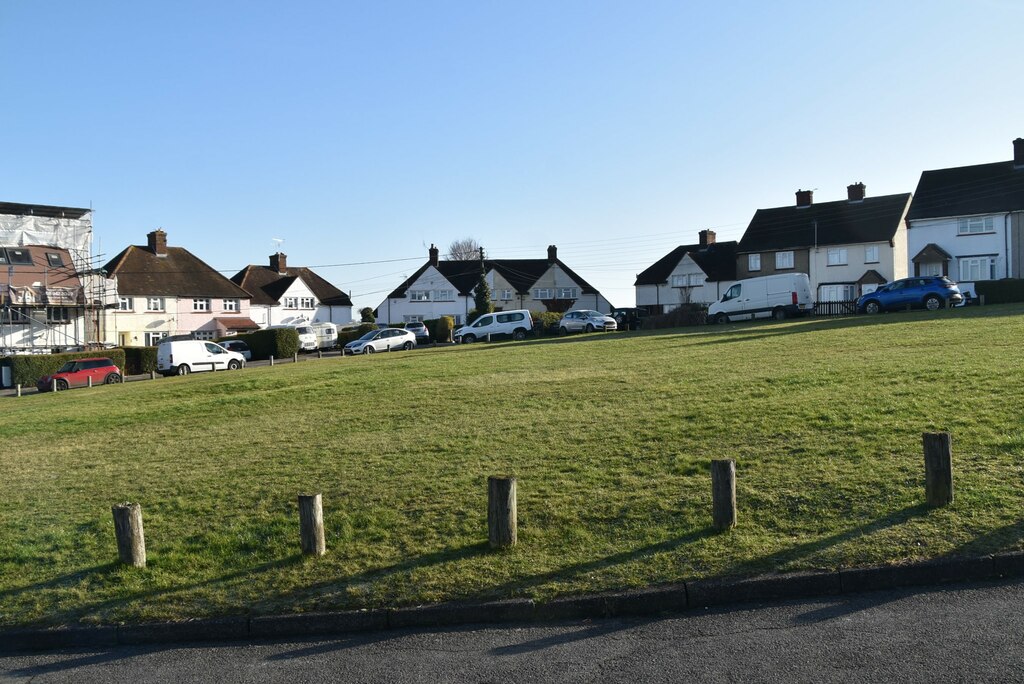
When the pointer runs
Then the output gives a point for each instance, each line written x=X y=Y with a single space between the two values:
x=307 y=337
x=181 y=357
x=515 y=324
x=778 y=296
x=326 y=335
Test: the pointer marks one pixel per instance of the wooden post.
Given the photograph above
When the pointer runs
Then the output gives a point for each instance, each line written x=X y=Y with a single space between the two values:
x=271 y=359
x=981 y=300
x=311 y=525
x=88 y=382
x=152 y=375
x=53 y=385
x=131 y=543
x=723 y=494
x=938 y=468
x=488 y=337
x=319 y=353
x=295 y=357
x=501 y=511
x=19 y=389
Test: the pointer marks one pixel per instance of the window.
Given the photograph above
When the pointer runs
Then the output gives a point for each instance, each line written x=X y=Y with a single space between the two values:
x=58 y=314
x=732 y=293
x=695 y=279
x=836 y=293
x=18 y=256
x=510 y=317
x=155 y=304
x=978 y=268
x=975 y=224
x=200 y=304
x=485 y=320
x=783 y=260
x=291 y=302
x=542 y=293
x=753 y=262
x=836 y=256
x=458 y=319
x=124 y=303
x=871 y=254
x=678 y=281
x=307 y=303
x=412 y=318
x=931 y=268
x=203 y=334
x=419 y=295
x=153 y=338
x=506 y=295
x=444 y=296
x=54 y=260
x=567 y=293
x=231 y=305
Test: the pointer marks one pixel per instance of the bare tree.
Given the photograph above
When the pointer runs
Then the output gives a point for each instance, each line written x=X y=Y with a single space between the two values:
x=466 y=249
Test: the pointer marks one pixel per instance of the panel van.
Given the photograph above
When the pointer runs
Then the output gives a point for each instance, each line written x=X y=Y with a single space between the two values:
x=181 y=357
x=776 y=296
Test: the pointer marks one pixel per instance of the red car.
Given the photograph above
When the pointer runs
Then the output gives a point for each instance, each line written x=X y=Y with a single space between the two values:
x=76 y=373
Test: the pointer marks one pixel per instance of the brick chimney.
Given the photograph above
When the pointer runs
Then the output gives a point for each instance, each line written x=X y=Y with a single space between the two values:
x=158 y=242
x=434 y=253
x=552 y=254
x=804 y=198
x=1018 y=153
x=855 y=192
x=279 y=263
x=707 y=237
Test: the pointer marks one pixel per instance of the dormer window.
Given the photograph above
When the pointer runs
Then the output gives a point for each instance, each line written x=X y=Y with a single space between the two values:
x=54 y=260
x=18 y=256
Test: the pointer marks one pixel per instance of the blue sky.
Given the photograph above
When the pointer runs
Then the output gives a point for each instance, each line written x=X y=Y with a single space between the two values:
x=364 y=131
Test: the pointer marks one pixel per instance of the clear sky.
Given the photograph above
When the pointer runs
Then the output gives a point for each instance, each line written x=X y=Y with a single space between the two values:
x=364 y=131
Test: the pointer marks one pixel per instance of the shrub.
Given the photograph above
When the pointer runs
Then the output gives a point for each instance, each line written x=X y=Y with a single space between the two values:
x=277 y=342
x=443 y=327
x=685 y=315
x=26 y=370
x=546 y=322
x=138 y=360
x=1002 y=291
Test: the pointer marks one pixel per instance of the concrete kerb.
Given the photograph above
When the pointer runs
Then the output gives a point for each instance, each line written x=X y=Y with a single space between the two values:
x=670 y=599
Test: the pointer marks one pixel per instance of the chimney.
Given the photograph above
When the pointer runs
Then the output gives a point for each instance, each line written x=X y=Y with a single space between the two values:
x=279 y=263
x=1018 y=153
x=433 y=252
x=804 y=198
x=707 y=237
x=158 y=242
x=855 y=192
x=552 y=254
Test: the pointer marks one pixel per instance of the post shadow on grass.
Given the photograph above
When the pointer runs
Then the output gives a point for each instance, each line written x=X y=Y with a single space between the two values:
x=63 y=581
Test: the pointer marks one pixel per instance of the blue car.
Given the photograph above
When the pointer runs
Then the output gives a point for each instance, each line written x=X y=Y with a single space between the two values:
x=919 y=292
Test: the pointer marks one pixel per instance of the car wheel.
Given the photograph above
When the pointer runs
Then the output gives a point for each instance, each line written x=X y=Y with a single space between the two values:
x=407 y=346
x=112 y=379
x=779 y=314
x=932 y=303
x=589 y=328
x=519 y=335
x=468 y=339
x=563 y=331
x=721 y=319
x=873 y=307
x=234 y=364
x=183 y=370
x=62 y=385
x=368 y=349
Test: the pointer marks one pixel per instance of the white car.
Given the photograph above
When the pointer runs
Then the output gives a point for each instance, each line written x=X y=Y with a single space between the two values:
x=387 y=339
x=516 y=324
x=585 y=320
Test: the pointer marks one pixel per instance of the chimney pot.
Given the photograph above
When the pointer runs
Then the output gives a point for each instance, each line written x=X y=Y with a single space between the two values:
x=158 y=242
x=552 y=254
x=434 y=255
x=855 y=192
x=707 y=237
x=1018 y=153
x=279 y=263
x=804 y=198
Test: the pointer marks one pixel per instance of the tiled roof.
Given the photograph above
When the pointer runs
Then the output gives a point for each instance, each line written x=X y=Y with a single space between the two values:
x=180 y=273
x=237 y=323
x=267 y=286
x=521 y=274
x=873 y=219
x=39 y=271
x=968 y=190
x=717 y=260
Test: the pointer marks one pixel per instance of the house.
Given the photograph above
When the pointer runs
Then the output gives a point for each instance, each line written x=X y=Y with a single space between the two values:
x=697 y=274
x=968 y=222
x=49 y=293
x=165 y=291
x=846 y=247
x=445 y=288
x=283 y=294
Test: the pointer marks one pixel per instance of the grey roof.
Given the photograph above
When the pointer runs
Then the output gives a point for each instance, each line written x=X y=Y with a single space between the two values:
x=968 y=190
x=717 y=260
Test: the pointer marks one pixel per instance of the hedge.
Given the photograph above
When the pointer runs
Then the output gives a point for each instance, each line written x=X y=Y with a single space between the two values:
x=1003 y=291
x=280 y=343
x=26 y=370
x=139 y=360
x=346 y=336
x=685 y=315
x=546 y=322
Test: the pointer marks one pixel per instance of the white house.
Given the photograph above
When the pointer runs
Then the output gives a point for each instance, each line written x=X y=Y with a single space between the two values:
x=697 y=274
x=968 y=222
x=283 y=294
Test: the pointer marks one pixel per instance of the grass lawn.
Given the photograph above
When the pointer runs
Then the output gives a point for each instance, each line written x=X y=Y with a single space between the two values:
x=610 y=435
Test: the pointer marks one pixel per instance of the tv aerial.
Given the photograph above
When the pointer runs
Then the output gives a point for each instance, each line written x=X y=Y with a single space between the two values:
x=277 y=243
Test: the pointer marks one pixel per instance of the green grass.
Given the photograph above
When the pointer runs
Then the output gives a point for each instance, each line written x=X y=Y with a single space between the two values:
x=610 y=435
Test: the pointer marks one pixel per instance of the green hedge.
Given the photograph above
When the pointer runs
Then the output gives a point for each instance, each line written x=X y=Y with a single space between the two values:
x=545 y=322
x=685 y=315
x=346 y=336
x=26 y=370
x=281 y=343
x=139 y=360
x=440 y=329
x=1003 y=291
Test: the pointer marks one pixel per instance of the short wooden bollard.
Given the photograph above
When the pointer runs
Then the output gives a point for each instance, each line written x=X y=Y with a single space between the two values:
x=295 y=357
x=88 y=381
x=19 y=389
x=501 y=511
x=271 y=360
x=723 y=494
x=131 y=543
x=53 y=385
x=319 y=353
x=938 y=468
x=152 y=375
x=311 y=525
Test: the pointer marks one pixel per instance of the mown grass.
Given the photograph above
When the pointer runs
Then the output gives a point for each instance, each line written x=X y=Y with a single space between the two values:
x=611 y=437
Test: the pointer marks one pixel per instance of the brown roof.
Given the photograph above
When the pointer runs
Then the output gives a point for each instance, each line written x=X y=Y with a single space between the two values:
x=237 y=323
x=267 y=286
x=40 y=270
x=180 y=273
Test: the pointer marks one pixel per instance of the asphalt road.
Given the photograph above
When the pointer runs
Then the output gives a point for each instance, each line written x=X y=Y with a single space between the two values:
x=955 y=633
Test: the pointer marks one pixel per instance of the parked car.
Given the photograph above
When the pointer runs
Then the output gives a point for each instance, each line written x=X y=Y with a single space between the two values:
x=629 y=318
x=777 y=296
x=181 y=357
x=419 y=330
x=388 y=339
x=928 y=292
x=239 y=346
x=585 y=320
x=516 y=324
x=76 y=373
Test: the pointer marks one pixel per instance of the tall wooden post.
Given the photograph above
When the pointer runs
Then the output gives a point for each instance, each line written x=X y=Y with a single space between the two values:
x=311 y=525
x=131 y=543
x=938 y=468
x=723 y=494
x=501 y=512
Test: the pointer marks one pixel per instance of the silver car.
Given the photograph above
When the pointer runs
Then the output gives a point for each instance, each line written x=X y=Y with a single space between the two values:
x=585 y=320
x=388 y=339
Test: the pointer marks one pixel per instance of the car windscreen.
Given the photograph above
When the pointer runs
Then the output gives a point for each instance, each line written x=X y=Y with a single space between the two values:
x=305 y=331
x=369 y=336
x=67 y=367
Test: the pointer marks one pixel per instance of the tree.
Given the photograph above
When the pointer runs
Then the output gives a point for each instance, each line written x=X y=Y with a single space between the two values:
x=367 y=315
x=466 y=249
x=482 y=294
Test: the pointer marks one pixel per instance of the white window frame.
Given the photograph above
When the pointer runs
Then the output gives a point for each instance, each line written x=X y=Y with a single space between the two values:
x=419 y=295
x=695 y=280
x=973 y=225
x=784 y=260
x=412 y=318
x=753 y=262
x=291 y=302
x=200 y=304
x=153 y=338
x=543 y=293
x=837 y=256
x=506 y=295
x=155 y=304
x=984 y=266
x=567 y=293
x=871 y=254
x=232 y=305
x=931 y=268
x=307 y=303
x=203 y=335
x=444 y=296
x=125 y=303
x=837 y=293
